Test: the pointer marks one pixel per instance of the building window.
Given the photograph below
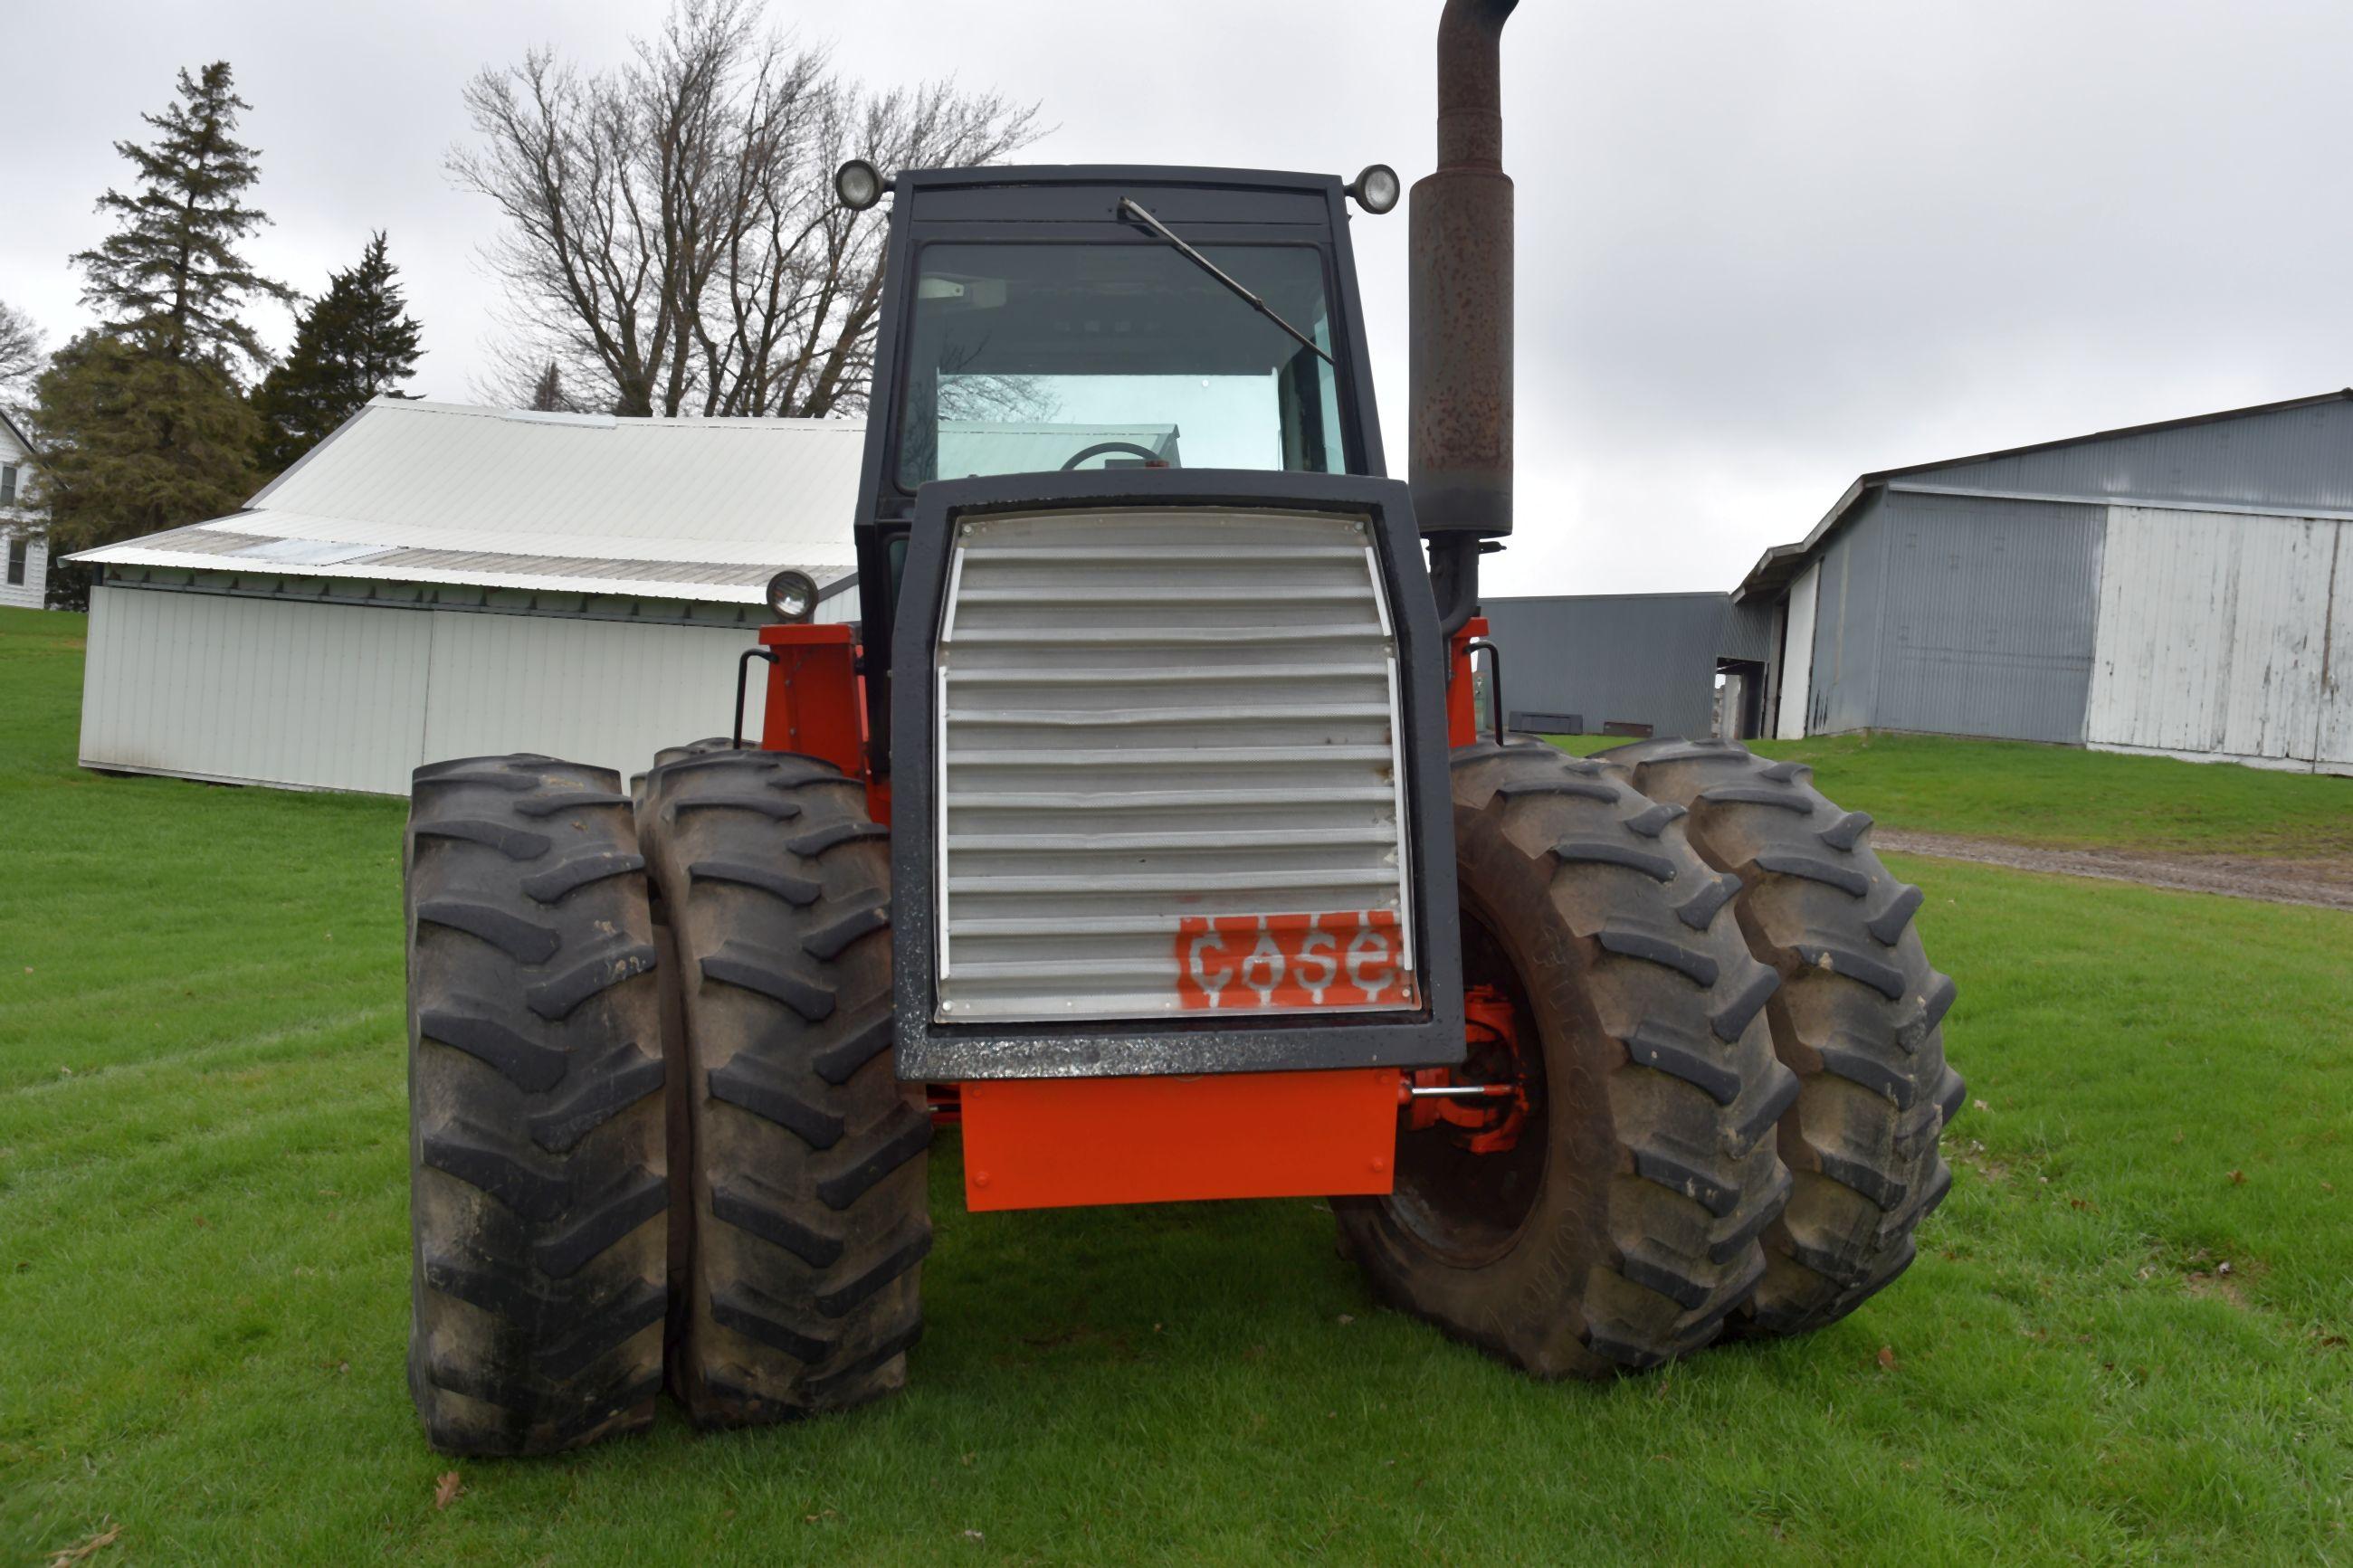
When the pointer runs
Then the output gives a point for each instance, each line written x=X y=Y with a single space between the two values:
x=8 y=484
x=16 y=546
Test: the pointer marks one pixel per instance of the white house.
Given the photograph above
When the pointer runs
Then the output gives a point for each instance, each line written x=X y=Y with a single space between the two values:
x=437 y=581
x=21 y=530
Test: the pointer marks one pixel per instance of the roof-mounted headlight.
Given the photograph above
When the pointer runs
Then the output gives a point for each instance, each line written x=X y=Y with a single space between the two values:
x=792 y=596
x=857 y=185
x=1376 y=189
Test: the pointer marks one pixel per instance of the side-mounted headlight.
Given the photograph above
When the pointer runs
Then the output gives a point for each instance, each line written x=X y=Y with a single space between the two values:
x=1376 y=189
x=792 y=596
x=857 y=185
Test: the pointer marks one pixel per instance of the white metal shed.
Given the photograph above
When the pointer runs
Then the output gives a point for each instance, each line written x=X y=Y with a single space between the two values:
x=436 y=580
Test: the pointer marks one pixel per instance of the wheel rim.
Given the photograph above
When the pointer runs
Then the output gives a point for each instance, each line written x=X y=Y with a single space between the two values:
x=1469 y=1208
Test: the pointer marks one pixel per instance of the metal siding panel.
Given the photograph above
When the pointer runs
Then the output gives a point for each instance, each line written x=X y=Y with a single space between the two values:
x=610 y=693
x=2272 y=706
x=2216 y=634
x=104 y=642
x=2164 y=646
x=1748 y=632
x=1645 y=658
x=1150 y=717
x=1989 y=616
x=2287 y=458
x=1846 y=666
x=2333 y=746
x=259 y=690
x=1797 y=655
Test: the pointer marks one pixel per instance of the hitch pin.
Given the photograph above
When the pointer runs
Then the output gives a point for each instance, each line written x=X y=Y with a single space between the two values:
x=1457 y=1090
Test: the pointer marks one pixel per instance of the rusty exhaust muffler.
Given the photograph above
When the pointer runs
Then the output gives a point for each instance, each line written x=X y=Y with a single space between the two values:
x=1460 y=335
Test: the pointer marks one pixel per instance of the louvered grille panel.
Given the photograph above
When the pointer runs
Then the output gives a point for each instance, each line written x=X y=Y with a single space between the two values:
x=1168 y=770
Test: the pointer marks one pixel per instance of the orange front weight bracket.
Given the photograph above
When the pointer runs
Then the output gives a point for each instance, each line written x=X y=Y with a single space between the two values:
x=1064 y=1143
x=817 y=701
x=1462 y=688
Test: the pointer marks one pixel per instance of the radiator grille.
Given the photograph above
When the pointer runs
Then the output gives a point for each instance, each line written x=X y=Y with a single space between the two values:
x=1169 y=769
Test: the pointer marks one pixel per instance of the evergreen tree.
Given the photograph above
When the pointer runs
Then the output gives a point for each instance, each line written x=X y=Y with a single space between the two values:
x=171 y=277
x=354 y=343
x=133 y=442
x=547 y=394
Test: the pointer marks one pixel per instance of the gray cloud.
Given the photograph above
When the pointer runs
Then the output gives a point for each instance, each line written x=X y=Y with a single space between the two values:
x=1762 y=247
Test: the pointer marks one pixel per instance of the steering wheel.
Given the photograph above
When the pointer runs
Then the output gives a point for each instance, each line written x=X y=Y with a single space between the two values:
x=1099 y=448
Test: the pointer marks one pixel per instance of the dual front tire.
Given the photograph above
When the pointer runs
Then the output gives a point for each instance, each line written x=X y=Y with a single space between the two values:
x=1732 y=1036
x=1734 y=1044
x=619 y=1163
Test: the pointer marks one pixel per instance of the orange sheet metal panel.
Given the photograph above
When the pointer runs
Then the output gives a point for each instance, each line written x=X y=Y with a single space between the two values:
x=816 y=702
x=1061 y=1143
x=1461 y=692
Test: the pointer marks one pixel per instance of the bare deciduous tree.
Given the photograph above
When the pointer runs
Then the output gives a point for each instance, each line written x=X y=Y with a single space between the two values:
x=21 y=358
x=672 y=234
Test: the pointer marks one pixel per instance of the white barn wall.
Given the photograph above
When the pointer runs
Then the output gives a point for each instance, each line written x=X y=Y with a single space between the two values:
x=2215 y=638
x=256 y=690
x=609 y=692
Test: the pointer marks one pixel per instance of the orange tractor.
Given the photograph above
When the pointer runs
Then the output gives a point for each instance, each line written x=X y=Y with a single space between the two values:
x=1146 y=826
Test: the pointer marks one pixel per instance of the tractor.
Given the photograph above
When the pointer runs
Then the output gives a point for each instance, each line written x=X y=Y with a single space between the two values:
x=1148 y=826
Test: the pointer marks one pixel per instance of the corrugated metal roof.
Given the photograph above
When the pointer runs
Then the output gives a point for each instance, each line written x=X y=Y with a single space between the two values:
x=410 y=490
x=2131 y=470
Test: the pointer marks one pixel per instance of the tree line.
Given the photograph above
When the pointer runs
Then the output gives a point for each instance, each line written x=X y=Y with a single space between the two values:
x=668 y=245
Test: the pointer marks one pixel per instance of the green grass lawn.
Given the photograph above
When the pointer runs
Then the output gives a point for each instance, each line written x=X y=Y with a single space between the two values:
x=2062 y=797
x=204 y=1274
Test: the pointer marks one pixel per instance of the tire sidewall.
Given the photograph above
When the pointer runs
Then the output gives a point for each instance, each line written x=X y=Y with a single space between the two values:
x=1510 y=1302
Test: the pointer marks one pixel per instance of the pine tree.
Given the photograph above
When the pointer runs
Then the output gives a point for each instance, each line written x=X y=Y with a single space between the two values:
x=171 y=277
x=132 y=443
x=353 y=342
x=547 y=394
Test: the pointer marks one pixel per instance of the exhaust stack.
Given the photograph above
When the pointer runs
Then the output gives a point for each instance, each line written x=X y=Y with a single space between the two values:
x=1460 y=336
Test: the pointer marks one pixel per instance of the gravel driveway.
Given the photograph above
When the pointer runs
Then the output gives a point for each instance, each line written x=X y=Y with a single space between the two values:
x=2326 y=884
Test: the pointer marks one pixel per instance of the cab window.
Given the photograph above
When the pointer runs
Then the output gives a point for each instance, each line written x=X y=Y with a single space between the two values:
x=1034 y=358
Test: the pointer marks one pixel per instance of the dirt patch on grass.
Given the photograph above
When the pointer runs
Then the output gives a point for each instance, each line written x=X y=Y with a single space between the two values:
x=2323 y=884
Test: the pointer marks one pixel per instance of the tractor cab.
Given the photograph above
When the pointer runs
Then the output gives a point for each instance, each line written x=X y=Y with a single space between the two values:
x=1104 y=320
x=1054 y=319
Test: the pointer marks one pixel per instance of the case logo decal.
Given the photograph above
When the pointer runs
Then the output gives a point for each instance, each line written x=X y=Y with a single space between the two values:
x=1352 y=959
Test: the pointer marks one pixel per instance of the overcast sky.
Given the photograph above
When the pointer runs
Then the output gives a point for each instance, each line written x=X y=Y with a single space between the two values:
x=1762 y=247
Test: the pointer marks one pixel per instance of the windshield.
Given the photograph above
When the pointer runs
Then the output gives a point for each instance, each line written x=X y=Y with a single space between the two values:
x=1031 y=358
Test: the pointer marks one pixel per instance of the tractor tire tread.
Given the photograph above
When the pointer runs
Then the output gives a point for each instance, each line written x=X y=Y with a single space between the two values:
x=1666 y=1225
x=538 y=1188
x=808 y=1206
x=1857 y=1021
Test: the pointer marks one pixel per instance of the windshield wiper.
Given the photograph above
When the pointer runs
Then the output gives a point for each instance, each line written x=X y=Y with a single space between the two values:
x=1129 y=205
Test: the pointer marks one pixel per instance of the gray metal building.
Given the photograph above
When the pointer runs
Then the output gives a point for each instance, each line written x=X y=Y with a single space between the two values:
x=1610 y=664
x=2184 y=588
